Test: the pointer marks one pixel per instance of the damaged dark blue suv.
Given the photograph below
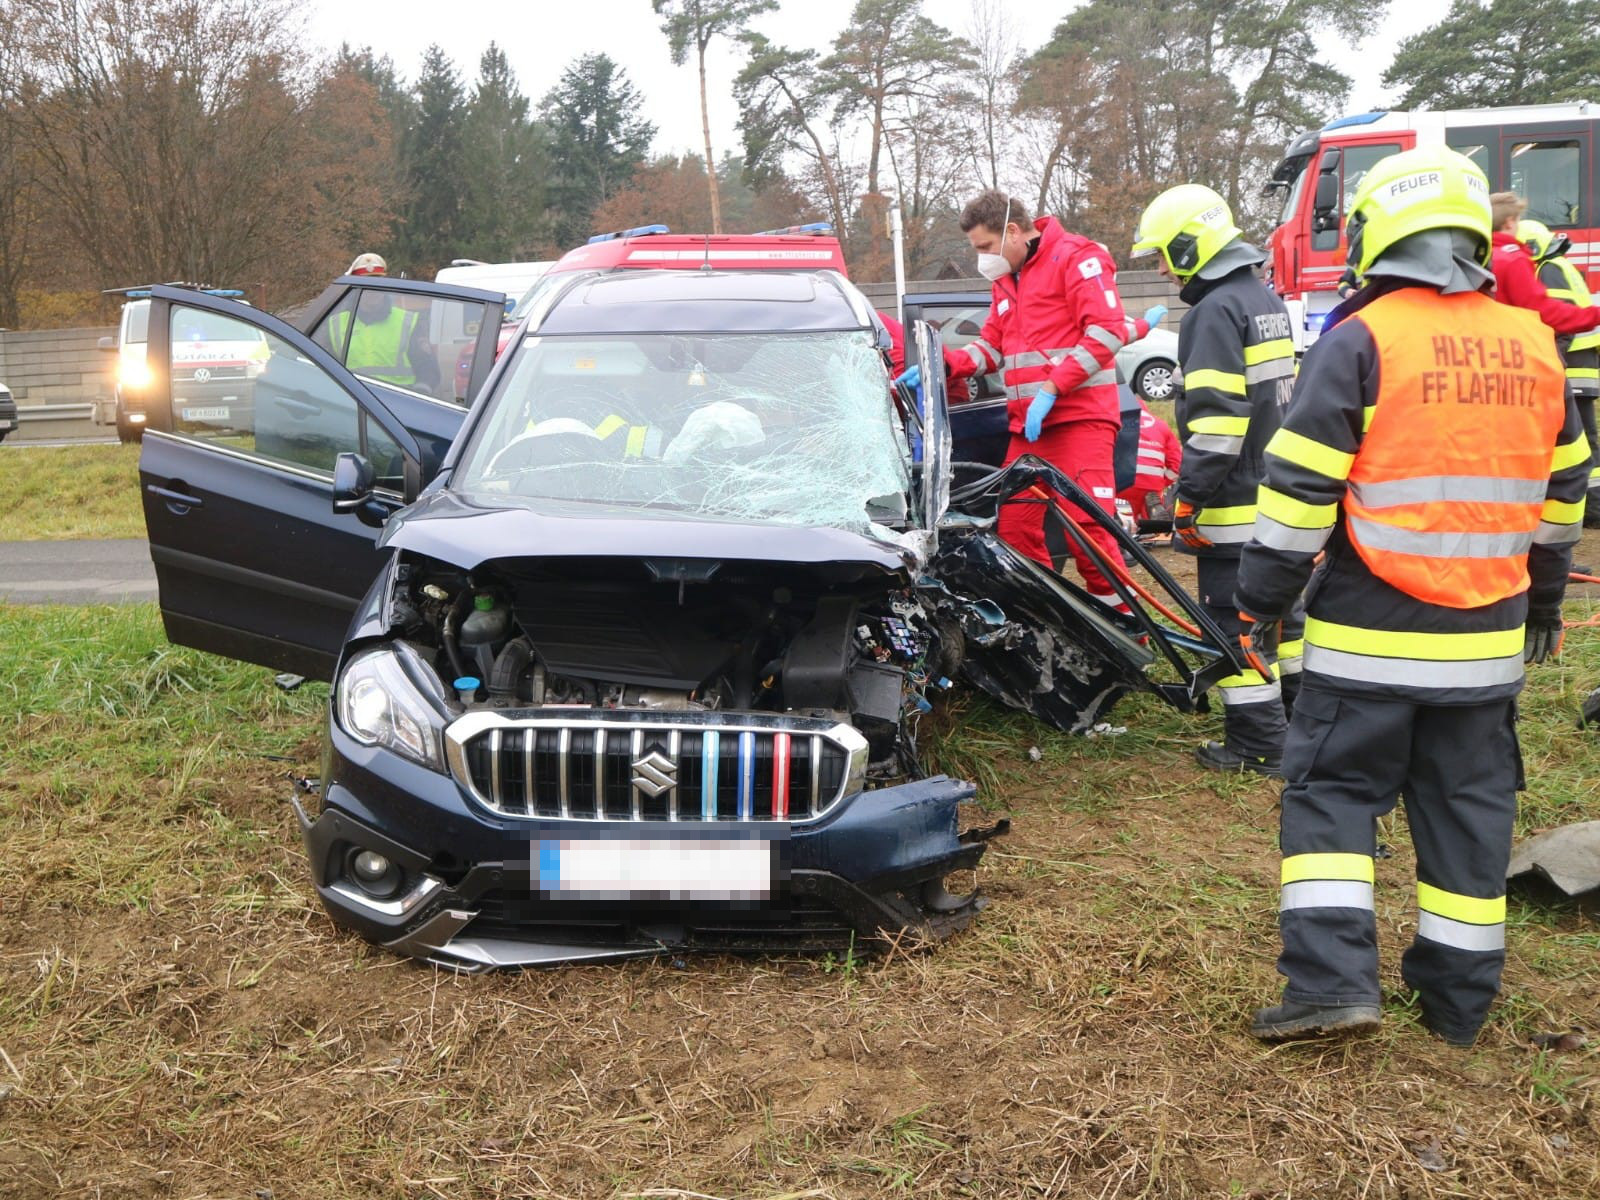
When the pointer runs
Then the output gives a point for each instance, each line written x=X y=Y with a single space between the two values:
x=637 y=661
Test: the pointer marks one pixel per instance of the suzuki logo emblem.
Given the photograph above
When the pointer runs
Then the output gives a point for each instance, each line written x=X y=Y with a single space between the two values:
x=201 y=374
x=655 y=773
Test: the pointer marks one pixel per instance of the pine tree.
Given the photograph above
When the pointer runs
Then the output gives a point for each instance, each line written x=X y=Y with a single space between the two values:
x=695 y=23
x=433 y=160
x=1503 y=52
x=506 y=160
x=597 y=141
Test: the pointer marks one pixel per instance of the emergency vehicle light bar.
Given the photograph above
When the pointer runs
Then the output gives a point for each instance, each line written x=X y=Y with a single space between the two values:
x=820 y=228
x=1357 y=119
x=636 y=231
x=142 y=291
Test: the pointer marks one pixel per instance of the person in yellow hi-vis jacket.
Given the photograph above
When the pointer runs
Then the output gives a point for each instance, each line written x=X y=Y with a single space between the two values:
x=1433 y=456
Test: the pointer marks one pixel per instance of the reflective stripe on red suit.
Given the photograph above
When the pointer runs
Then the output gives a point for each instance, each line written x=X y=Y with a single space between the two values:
x=1058 y=318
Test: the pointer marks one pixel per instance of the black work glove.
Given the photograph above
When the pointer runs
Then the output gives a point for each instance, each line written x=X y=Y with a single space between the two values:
x=1259 y=640
x=1543 y=633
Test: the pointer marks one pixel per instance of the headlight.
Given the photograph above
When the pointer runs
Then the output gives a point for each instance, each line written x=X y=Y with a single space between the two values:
x=379 y=705
x=133 y=373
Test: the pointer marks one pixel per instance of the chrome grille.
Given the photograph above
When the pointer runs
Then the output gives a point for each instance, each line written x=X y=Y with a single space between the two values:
x=638 y=766
x=230 y=371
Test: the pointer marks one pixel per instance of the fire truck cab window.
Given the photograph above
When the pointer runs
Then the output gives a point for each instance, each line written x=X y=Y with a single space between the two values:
x=1478 y=153
x=1549 y=176
x=1356 y=161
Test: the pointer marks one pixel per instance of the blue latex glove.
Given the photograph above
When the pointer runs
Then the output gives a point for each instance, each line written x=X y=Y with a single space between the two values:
x=911 y=376
x=1154 y=314
x=1038 y=409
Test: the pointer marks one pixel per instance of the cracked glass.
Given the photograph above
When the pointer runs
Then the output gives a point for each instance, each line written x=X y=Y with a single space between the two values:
x=786 y=429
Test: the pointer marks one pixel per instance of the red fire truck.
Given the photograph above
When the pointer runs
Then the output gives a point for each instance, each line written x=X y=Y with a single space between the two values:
x=1546 y=153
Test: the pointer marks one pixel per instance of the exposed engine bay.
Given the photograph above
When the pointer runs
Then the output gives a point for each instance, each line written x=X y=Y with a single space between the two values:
x=690 y=637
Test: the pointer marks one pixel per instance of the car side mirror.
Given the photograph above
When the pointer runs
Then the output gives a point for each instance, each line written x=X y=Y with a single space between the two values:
x=1326 y=202
x=108 y=344
x=353 y=481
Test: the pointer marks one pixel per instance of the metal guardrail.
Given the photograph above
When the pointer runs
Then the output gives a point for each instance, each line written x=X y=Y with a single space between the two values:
x=55 y=412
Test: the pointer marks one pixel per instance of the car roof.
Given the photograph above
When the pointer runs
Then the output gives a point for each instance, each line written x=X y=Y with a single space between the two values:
x=779 y=250
x=676 y=301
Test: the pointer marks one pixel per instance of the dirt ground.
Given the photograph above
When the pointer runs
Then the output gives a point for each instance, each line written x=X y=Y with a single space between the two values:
x=179 y=1019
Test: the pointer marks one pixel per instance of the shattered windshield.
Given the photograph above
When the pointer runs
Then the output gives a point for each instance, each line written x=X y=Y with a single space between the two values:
x=789 y=429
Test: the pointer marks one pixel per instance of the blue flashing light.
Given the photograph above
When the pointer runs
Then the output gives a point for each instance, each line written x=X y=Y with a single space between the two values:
x=636 y=231
x=820 y=228
x=1357 y=119
x=144 y=293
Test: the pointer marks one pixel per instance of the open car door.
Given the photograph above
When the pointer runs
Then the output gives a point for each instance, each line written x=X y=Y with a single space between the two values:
x=424 y=348
x=247 y=420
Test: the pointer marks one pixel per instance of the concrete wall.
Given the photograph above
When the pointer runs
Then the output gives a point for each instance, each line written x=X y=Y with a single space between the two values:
x=1139 y=290
x=58 y=377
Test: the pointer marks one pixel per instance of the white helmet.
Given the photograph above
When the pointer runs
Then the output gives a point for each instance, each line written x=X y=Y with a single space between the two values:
x=368 y=264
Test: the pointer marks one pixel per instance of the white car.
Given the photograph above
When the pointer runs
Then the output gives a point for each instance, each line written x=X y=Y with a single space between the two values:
x=1149 y=366
x=8 y=412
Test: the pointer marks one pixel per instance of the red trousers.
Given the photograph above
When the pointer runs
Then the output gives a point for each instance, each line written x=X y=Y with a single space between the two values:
x=1080 y=450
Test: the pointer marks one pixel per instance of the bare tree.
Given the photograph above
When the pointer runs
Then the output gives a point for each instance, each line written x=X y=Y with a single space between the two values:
x=994 y=87
x=18 y=167
x=190 y=139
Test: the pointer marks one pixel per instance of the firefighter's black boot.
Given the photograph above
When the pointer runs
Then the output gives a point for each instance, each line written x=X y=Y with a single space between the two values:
x=1293 y=1020
x=1218 y=757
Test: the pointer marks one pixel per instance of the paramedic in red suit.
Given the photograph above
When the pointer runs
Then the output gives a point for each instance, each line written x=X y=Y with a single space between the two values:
x=1160 y=457
x=1055 y=325
x=1516 y=279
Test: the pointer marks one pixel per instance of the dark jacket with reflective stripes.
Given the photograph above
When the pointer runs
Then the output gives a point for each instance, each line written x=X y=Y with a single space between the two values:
x=1363 y=636
x=1581 y=351
x=1237 y=357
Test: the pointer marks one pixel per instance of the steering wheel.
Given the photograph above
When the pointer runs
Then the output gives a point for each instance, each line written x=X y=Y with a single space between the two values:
x=535 y=449
x=585 y=401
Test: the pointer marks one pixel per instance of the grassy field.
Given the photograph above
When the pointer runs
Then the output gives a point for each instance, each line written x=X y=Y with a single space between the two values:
x=71 y=492
x=179 y=1019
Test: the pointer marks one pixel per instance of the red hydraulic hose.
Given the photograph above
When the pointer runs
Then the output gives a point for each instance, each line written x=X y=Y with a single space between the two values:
x=1117 y=569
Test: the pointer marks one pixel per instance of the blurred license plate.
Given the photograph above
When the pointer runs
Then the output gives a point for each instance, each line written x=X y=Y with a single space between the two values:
x=7 y=423
x=655 y=868
x=215 y=412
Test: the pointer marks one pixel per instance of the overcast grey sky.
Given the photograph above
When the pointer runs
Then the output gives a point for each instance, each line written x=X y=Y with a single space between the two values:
x=541 y=37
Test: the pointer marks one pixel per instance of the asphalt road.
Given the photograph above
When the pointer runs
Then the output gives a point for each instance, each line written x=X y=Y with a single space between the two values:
x=95 y=572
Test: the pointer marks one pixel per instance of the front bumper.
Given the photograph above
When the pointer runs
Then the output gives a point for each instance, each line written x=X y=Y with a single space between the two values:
x=470 y=899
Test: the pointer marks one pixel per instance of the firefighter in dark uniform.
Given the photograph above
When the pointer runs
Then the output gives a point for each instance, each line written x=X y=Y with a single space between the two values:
x=1237 y=356
x=1433 y=456
x=1580 y=351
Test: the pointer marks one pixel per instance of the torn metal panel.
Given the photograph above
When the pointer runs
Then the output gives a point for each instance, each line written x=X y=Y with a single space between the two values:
x=1038 y=642
x=1029 y=641
x=1568 y=858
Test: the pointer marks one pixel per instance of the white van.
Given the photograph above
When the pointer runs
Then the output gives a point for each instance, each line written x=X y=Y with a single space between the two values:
x=511 y=279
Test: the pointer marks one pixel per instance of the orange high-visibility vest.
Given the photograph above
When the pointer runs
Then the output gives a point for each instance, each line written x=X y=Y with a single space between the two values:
x=1447 y=489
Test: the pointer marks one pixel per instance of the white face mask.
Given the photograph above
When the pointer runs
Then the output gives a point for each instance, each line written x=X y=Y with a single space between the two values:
x=996 y=266
x=993 y=266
